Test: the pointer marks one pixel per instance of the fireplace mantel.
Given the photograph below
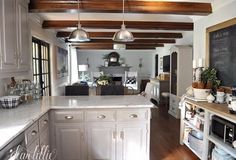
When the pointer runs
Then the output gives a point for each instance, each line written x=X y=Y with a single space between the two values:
x=114 y=70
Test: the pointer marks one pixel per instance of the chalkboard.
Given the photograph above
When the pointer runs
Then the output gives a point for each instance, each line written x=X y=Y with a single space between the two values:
x=222 y=54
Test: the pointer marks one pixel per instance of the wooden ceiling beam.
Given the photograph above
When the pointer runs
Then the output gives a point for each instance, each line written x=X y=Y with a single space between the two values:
x=144 y=25
x=136 y=41
x=115 y=6
x=137 y=35
x=110 y=46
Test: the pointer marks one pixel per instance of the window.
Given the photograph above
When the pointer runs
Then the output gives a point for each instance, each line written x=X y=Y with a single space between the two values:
x=41 y=65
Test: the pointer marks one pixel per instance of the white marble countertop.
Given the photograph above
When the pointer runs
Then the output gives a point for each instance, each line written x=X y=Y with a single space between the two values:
x=15 y=121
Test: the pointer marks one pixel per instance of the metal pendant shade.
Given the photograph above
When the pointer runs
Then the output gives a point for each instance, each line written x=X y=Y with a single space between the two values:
x=79 y=34
x=123 y=35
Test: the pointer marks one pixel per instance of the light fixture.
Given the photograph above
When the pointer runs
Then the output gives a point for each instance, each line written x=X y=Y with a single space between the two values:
x=79 y=34
x=83 y=68
x=123 y=35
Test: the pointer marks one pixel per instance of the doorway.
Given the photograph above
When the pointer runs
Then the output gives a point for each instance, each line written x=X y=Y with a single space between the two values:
x=41 y=65
x=156 y=65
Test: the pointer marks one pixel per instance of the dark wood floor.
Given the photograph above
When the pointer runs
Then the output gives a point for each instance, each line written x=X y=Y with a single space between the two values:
x=165 y=138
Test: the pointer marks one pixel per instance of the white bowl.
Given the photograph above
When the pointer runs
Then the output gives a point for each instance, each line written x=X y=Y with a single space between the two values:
x=10 y=101
x=201 y=94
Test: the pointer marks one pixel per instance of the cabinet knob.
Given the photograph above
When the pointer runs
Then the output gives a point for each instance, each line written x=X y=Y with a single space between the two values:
x=101 y=117
x=33 y=133
x=133 y=116
x=45 y=121
x=69 y=117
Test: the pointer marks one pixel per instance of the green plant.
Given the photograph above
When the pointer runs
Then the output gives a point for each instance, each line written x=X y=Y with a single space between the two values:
x=209 y=75
x=104 y=80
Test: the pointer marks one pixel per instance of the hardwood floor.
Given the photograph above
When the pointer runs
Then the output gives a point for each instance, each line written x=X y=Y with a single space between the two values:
x=165 y=138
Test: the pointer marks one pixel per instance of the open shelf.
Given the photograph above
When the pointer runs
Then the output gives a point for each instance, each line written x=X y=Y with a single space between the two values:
x=197 y=154
x=225 y=147
x=192 y=126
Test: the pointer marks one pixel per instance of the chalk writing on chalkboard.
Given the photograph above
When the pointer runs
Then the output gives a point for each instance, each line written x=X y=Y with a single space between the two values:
x=222 y=54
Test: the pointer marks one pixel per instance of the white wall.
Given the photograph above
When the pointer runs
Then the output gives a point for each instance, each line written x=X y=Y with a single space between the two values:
x=57 y=85
x=218 y=16
x=163 y=51
x=131 y=59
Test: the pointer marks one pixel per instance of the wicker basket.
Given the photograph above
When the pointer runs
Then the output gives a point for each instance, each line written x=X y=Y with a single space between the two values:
x=201 y=94
x=195 y=143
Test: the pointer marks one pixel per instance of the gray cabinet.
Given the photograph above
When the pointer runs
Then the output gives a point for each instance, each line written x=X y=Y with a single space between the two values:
x=23 y=40
x=106 y=134
x=69 y=141
x=14 y=37
x=37 y=137
x=132 y=141
x=8 y=35
x=101 y=141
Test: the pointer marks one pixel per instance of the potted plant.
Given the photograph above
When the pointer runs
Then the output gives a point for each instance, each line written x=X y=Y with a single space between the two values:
x=104 y=80
x=209 y=81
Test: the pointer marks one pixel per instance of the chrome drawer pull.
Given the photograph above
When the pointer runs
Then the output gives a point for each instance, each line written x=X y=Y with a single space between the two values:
x=33 y=133
x=69 y=117
x=133 y=116
x=101 y=117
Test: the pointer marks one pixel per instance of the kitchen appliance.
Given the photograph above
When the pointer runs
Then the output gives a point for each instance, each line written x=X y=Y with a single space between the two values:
x=14 y=149
x=223 y=129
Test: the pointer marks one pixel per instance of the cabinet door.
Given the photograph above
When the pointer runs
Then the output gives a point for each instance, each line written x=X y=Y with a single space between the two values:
x=133 y=141
x=101 y=140
x=33 y=149
x=44 y=139
x=23 y=43
x=69 y=142
x=9 y=34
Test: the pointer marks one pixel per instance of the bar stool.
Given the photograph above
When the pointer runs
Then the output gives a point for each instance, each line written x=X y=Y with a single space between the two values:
x=165 y=96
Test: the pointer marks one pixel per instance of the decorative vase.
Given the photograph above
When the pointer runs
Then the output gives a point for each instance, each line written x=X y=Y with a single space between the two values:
x=210 y=98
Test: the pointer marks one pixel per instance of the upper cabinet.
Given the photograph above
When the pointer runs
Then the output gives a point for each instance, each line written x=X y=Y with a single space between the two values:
x=23 y=40
x=14 y=32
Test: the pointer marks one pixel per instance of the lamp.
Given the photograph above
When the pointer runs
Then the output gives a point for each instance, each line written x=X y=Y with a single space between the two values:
x=123 y=35
x=79 y=34
x=83 y=68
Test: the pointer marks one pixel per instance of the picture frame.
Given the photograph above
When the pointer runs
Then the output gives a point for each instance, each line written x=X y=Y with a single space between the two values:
x=62 y=62
x=161 y=63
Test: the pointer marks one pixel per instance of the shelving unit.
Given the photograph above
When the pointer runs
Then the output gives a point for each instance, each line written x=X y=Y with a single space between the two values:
x=209 y=110
x=224 y=146
x=197 y=154
x=192 y=126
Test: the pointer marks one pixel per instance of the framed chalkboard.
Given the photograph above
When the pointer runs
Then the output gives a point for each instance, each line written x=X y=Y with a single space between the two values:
x=221 y=51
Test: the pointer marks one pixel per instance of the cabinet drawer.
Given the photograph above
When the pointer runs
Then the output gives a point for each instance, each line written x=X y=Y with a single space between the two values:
x=43 y=122
x=32 y=133
x=92 y=116
x=132 y=115
x=69 y=116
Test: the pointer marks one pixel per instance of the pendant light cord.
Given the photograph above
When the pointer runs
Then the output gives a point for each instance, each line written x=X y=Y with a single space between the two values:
x=79 y=25
x=123 y=13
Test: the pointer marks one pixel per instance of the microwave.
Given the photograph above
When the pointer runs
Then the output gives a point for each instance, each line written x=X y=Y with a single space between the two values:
x=223 y=129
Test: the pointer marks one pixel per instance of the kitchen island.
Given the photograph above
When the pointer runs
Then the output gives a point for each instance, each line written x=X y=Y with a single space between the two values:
x=84 y=127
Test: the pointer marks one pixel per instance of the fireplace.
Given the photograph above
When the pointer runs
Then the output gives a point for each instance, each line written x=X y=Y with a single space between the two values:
x=116 y=72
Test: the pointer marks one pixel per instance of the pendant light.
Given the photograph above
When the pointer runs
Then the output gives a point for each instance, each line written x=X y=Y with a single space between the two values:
x=79 y=34
x=123 y=35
